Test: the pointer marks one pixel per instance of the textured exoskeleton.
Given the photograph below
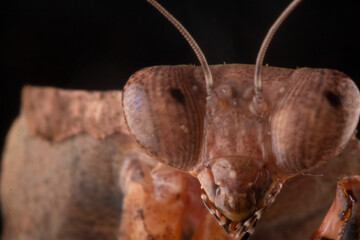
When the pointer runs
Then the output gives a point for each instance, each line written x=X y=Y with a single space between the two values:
x=240 y=141
x=240 y=156
x=89 y=181
x=343 y=217
x=145 y=159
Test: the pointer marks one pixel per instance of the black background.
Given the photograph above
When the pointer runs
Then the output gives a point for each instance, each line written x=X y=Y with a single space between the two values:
x=97 y=45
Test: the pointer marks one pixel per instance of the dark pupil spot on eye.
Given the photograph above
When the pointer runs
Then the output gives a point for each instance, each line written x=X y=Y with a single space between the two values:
x=333 y=98
x=177 y=95
x=246 y=236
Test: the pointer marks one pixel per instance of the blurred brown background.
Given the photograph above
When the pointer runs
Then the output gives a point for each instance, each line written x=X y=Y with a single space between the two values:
x=99 y=44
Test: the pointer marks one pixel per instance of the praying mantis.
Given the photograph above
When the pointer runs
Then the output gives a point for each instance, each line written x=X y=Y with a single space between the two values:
x=240 y=171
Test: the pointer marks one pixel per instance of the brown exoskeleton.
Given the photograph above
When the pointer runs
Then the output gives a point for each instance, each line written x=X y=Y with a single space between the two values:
x=344 y=212
x=72 y=169
x=241 y=142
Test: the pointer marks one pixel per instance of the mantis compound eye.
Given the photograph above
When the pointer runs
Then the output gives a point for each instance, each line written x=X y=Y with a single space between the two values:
x=314 y=119
x=161 y=108
x=238 y=188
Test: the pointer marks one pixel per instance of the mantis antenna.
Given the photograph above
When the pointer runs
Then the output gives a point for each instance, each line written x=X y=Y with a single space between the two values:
x=190 y=40
x=266 y=42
